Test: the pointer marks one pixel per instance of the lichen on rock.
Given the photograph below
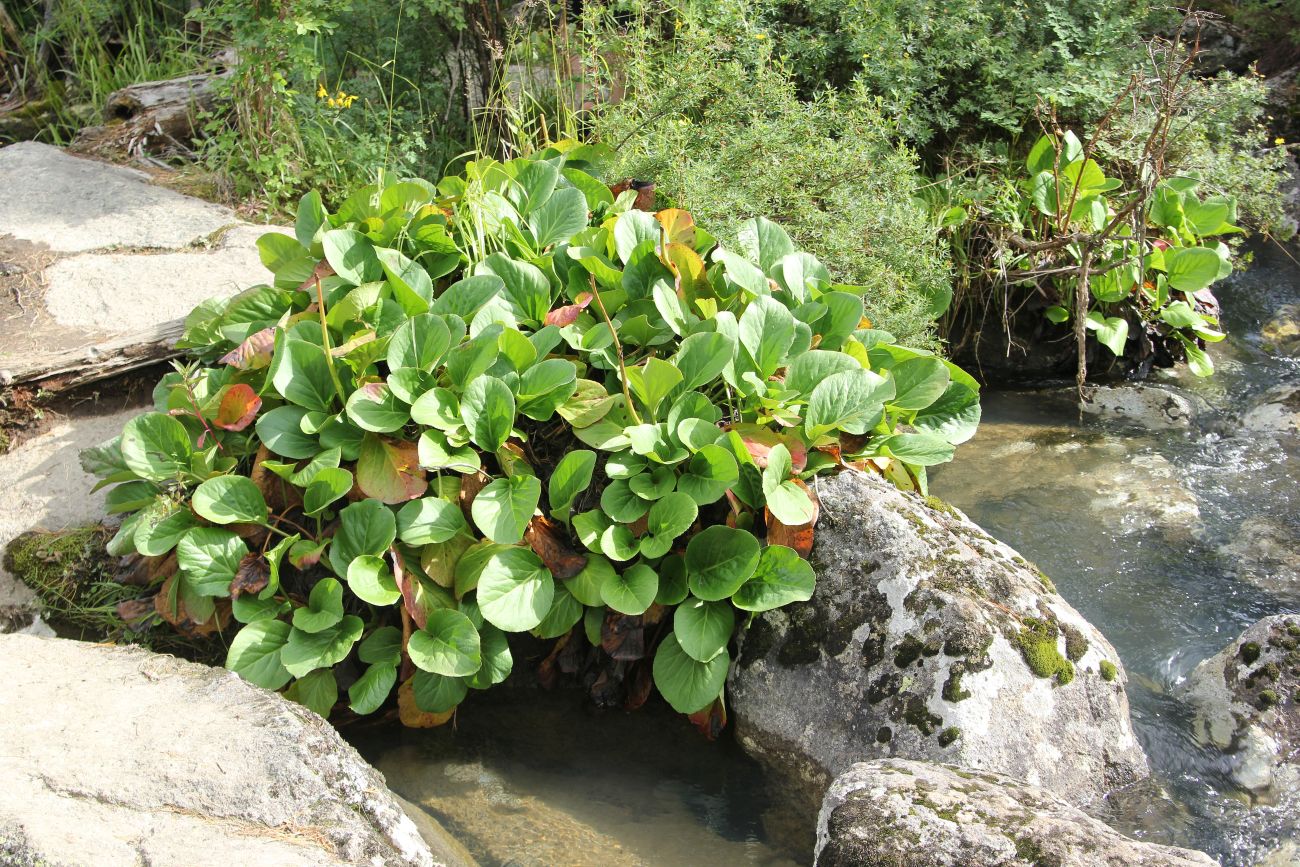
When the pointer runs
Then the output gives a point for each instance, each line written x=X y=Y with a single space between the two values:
x=928 y=639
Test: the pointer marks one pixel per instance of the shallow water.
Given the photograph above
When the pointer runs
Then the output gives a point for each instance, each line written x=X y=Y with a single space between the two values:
x=1151 y=535
x=535 y=779
x=1135 y=528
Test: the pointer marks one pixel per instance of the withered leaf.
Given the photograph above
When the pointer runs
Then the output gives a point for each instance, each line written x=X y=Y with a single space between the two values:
x=135 y=611
x=254 y=352
x=568 y=314
x=548 y=541
x=710 y=721
x=252 y=575
x=622 y=636
x=639 y=685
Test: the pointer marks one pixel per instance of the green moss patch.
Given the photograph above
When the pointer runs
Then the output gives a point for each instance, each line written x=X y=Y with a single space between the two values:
x=1037 y=642
x=1108 y=670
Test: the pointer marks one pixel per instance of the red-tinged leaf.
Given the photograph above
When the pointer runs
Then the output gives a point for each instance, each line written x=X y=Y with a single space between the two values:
x=678 y=225
x=645 y=195
x=181 y=620
x=238 y=408
x=307 y=556
x=566 y=315
x=254 y=352
x=416 y=598
x=688 y=271
x=799 y=537
x=388 y=470
x=470 y=485
x=548 y=541
x=710 y=721
x=831 y=451
x=251 y=576
x=548 y=670
x=759 y=441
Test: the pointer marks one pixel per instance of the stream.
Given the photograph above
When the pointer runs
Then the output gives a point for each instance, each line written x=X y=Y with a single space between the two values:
x=1154 y=536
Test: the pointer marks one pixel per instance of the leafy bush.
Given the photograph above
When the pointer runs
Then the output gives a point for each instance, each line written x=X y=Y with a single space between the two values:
x=966 y=70
x=720 y=130
x=510 y=403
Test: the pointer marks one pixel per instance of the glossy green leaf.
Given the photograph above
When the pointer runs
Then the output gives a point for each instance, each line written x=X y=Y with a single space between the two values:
x=719 y=560
x=305 y=652
x=374 y=407
x=369 y=692
x=428 y=520
x=504 y=507
x=497 y=660
x=572 y=476
x=515 y=590
x=327 y=487
x=685 y=683
x=318 y=691
x=370 y=580
x=230 y=500
x=447 y=645
x=255 y=654
x=156 y=446
x=365 y=527
x=209 y=557
x=782 y=577
x=435 y=693
x=703 y=628
x=488 y=410
x=324 y=607
x=631 y=592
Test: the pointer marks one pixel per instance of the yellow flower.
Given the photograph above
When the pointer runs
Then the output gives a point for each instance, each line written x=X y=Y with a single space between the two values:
x=321 y=92
x=760 y=35
x=1279 y=141
x=332 y=103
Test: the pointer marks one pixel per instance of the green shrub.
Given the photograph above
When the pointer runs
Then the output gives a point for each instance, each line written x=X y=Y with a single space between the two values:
x=509 y=403
x=965 y=70
x=721 y=131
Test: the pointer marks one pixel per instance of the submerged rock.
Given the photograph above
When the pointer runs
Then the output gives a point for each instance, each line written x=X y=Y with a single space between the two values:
x=1155 y=407
x=916 y=814
x=1278 y=411
x=1281 y=334
x=928 y=639
x=1247 y=702
x=117 y=756
x=1265 y=553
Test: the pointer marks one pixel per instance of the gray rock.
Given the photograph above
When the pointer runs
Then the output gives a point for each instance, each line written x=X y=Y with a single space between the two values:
x=1281 y=334
x=918 y=643
x=117 y=756
x=72 y=204
x=1278 y=411
x=916 y=814
x=1246 y=701
x=124 y=292
x=45 y=487
x=1154 y=407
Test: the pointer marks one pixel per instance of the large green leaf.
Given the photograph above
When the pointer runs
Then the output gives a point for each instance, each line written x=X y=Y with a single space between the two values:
x=302 y=375
x=525 y=285
x=230 y=500
x=318 y=691
x=447 y=645
x=703 y=628
x=719 y=560
x=374 y=407
x=564 y=613
x=370 y=580
x=782 y=577
x=280 y=430
x=389 y=470
x=255 y=653
x=435 y=693
x=955 y=416
x=515 y=590
x=156 y=446
x=504 y=507
x=919 y=449
x=765 y=243
x=209 y=558
x=918 y=382
x=685 y=683
x=571 y=477
x=428 y=520
x=305 y=652
x=410 y=283
x=488 y=410
x=701 y=358
x=497 y=661
x=562 y=216
x=419 y=342
x=1191 y=269
x=161 y=525
x=368 y=693
x=631 y=592
x=850 y=400
x=365 y=527
x=709 y=473
x=324 y=607
x=328 y=486
x=766 y=333
x=810 y=368
x=352 y=256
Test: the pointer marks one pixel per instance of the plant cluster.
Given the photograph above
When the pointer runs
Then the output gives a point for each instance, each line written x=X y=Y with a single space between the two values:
x=718 y=126
x=511 y=403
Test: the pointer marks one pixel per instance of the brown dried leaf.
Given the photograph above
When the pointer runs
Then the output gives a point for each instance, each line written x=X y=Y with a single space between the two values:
x=639 y=686
x=549 y=542
x=134 y=611
x=470 y=485
x=252 y=576
x=548 y=671
x=622 y=636
x=759 y=441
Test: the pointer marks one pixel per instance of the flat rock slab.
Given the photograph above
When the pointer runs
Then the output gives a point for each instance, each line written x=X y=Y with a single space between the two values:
x=45 y=487
x=71 y=205
x=120 y=292
x=117 y=756
x=99 y=266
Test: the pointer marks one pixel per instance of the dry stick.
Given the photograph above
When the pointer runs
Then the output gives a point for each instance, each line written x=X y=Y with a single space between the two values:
x=1081 y=301
x=618 y=348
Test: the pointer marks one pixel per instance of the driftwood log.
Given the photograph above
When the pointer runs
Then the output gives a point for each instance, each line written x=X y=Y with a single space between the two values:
x=111 y=356
x=154 y=117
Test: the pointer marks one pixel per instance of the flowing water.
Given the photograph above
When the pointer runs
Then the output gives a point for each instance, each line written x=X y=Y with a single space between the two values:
x=1170 y=542
x=1156 y=537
